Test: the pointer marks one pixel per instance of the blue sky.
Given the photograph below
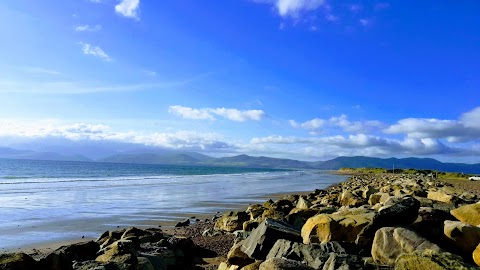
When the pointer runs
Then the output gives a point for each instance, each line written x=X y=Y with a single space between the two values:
x=303 y=79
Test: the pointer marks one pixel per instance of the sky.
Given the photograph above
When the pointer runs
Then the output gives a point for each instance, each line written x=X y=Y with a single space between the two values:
x=302 y=79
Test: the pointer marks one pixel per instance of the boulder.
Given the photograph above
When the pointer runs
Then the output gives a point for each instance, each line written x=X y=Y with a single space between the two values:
x=368 y=191
x=347 y=198
x=262 y=239
x=303 y=203
x=183 y=223
x=476 y=255
x=440 y=196
x=63 y=257
x=17 y=261
x=389 y=243
x=468 y=213
x=122 y=252
x=282 y=205
x=255 y=211
x=463 y=238
x=272 y=213
x=283 y=264
x=334 y=227
x=344 y=262
x=231 y=221
x=252 y=266
x=311 y=255
x=430 y=260
x=403 y=212
x=237 y=257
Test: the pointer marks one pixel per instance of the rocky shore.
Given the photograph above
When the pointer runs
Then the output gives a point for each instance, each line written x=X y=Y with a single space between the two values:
x=371 y=221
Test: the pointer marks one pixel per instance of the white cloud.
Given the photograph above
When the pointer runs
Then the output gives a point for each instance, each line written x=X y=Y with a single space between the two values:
x=354 y=145
x=209 y=113
x=237 y=115
x=471 y=119
x=354 y=126
x=467 y=128
x=128 y=8
x=88 y=28
x=314 y=124
x=341 y=121
x=293 y=8
x=95 y=51
x=190 y=113
x=53 y=129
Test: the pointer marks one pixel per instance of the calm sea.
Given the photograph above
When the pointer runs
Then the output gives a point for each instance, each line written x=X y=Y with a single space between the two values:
x=53 y=201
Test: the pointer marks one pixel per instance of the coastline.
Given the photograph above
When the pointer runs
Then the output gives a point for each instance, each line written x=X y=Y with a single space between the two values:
x=40 y=249
x=210 y=243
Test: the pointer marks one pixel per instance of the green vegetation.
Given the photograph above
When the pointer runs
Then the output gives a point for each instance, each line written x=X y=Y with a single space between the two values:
x=433 y=173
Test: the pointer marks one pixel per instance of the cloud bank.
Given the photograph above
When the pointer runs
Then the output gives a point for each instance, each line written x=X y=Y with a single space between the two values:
x=210 y=113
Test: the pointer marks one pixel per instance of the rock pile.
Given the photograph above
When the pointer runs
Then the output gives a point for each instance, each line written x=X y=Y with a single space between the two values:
x=382 y=221
x=127 y=249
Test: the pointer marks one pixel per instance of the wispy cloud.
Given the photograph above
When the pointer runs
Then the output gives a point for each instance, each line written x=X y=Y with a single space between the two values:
x=40 y=86
x=96 y=51
x=38 y=70
x=210 y=113
x=128 y=8
x=317 y=124
x=293 y=8
x=88 y=28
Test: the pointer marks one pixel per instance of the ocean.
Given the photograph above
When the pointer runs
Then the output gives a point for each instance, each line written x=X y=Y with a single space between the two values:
x=53 y=201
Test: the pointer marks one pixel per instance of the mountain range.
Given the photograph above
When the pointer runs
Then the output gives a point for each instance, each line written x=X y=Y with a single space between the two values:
x=196 y=159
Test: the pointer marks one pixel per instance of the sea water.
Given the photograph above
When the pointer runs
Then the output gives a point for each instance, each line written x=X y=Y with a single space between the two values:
x=54 y=201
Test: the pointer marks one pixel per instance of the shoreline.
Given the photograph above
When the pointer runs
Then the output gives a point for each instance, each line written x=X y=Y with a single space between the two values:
x=359 y=198
x=168 y=226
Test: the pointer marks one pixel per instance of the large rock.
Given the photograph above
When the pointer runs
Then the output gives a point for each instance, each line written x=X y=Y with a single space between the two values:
x=232 y=221
x=237 y=257
x=468 y=213
x=476 y=255
x=389 y=243
x=440 y=196
x=255 y=211
x=262 y=239
x=345 y=262
x=121 y=252
x=430 y=260
x=303 y=203
x=312 y=255
x=463 y=237
x=403 y=212
x=334 y=227
x=63 y=257
x=347 y=198
x=283 y=264
x=17 y=261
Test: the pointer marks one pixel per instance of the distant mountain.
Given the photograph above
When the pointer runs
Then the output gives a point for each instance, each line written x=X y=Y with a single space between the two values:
x=403 y=163
x=171 y=157
x=6 y=152
x=259 y=162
